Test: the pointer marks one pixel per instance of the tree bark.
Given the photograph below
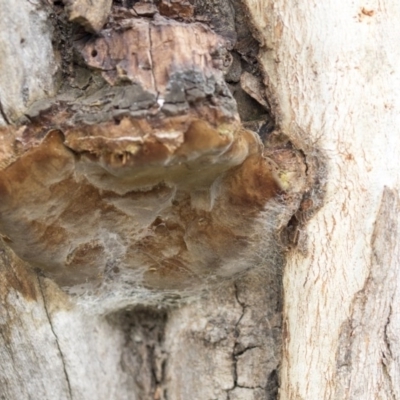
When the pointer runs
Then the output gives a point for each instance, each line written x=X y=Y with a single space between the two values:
x=317 y=317
x=332 y=72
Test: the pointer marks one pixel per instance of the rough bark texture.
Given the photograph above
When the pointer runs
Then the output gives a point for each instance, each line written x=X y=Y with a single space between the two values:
x=369 y=341
x=340 y=95
x=92 y=15
x=28 y=65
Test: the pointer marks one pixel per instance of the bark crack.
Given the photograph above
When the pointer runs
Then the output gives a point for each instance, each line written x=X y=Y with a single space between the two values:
x=386 y=356
x=56 y=339
x=371 y=310
x=385 y=333
x=241 y=352
x=250 y=387
x=152 y=63
x=4 y=115
x=235 y=345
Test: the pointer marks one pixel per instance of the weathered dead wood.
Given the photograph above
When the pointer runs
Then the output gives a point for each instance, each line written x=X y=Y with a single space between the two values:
x=91 y=14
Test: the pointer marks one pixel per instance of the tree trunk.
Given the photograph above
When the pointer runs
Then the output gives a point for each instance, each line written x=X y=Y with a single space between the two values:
x=333 y=73
x=301 y=300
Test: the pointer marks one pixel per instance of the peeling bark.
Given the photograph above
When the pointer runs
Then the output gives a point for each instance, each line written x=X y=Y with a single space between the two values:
x=365 y=344
x=92 y=15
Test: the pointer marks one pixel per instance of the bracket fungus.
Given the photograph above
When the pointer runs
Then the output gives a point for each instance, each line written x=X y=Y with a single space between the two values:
x=144 y=181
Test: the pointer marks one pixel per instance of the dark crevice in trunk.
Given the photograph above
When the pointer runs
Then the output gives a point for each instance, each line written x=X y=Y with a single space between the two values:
x=3 y=114
x=143 y=357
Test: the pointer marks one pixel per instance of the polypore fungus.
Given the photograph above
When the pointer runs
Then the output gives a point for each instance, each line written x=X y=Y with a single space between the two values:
x=145 y=181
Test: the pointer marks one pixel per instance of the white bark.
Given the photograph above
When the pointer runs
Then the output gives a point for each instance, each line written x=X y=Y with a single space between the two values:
x=333 y=70
x=58 y=355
